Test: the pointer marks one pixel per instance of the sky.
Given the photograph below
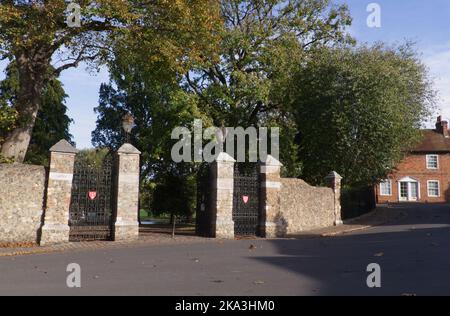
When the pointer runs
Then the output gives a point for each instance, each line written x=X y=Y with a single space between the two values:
x=427 y=23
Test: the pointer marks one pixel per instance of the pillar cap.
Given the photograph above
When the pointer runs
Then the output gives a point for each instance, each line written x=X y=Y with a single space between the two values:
x=224 y=157
x=63 y=146
x=334 y=175
x=128 y=149
x=272 y=161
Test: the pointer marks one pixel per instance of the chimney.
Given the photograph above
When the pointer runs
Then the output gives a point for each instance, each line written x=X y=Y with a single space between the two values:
x=442 y=127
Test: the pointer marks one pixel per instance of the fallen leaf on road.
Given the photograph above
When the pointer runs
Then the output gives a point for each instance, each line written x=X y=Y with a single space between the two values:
x=252 y=247
x=380 y=254
x=218 y=281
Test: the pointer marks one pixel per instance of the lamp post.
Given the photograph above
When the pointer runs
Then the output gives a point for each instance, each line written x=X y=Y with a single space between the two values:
x=127 y=125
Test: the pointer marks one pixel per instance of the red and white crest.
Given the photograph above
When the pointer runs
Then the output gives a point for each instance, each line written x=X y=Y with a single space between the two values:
x=246 y=198
x=92 y=195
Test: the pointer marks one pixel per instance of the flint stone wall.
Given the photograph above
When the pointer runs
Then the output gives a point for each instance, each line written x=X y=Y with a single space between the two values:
x=305 y=207
x=22 y=189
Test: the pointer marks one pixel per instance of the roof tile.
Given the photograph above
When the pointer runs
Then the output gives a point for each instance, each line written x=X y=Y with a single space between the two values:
x=433 y=141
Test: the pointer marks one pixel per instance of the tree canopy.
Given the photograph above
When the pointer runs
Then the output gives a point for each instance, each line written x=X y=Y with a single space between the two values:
x=359 y=110
x=262 y=42
x=284 y=63
x=152 y=94
x=258 y=46
x=35 y=35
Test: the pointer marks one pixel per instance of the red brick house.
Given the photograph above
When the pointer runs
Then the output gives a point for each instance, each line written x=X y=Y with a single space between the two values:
x=424 y=175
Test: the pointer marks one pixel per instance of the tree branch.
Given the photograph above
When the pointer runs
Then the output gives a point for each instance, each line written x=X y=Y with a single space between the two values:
x=76 y=61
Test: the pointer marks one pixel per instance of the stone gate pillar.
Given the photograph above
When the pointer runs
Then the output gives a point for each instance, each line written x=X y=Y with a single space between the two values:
x=334 y=181
x=126 y=226
x=272 y=225
x=56 y=220
x=222 y=195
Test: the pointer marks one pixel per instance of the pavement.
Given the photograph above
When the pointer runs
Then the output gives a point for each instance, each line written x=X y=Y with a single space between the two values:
x=412 y=250
x=146 y=238
x=149 y=235
x=382 y=215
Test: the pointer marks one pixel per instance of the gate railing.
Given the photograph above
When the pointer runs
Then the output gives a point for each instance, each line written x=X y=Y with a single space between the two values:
x=98 y=204
x=204 y=216
x=246 y=199
x=243 y=199
x=92 y=200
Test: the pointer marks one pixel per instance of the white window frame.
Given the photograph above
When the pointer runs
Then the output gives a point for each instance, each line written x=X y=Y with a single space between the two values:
x=389 y=182
x=428 y=162
x=438 y=187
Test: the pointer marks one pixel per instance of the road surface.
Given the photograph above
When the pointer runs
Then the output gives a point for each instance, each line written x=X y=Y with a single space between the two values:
x=413 y=254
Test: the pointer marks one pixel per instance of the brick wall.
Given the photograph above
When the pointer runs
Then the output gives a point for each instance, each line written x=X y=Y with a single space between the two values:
x=414 y=166
x=21 y=202
x=304 y=207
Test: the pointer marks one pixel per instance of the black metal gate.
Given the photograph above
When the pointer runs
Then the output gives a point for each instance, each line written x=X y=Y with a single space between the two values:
x=92 y=201
x=246 y=199
x=205 y=221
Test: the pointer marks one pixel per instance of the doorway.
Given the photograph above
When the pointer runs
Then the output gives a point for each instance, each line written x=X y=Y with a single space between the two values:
x=409 y=190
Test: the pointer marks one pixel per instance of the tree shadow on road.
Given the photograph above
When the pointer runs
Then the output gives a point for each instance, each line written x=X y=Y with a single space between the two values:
x=414 y=257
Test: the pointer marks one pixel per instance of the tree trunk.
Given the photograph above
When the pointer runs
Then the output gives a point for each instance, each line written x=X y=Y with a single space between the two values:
x=16 y=144
x=31 y=79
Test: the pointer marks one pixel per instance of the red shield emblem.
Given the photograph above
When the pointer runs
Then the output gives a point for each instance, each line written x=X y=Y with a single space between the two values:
x=246 y=199
x=92 y=195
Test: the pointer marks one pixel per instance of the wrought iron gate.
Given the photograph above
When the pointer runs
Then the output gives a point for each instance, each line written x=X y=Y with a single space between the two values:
x=92 y=201
x=246 y=210
x=204 y=216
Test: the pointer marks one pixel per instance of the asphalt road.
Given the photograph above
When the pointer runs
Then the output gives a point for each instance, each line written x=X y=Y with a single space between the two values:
x=414 y=256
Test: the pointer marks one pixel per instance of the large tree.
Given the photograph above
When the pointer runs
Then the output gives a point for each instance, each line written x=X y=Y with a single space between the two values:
x=263 y=41
x=52 y=123
x=151 y=93
x=34 y=33
x=359 y=110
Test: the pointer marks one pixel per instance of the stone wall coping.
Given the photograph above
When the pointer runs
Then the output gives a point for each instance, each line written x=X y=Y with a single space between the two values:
x=334 y=175
x=301 y=182
x=225 y=157
x=63 y=146
x=272 y=161
x=128 y=149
